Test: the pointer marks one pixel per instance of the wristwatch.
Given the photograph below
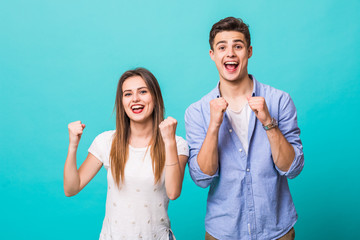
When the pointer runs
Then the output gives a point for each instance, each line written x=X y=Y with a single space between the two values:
x=271 y=125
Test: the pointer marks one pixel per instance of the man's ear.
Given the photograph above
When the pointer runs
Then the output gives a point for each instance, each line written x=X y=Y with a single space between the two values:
x=249 y=51
x=211 y=53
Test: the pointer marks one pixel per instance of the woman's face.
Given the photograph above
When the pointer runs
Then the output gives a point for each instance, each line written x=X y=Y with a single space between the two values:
x=137 y=100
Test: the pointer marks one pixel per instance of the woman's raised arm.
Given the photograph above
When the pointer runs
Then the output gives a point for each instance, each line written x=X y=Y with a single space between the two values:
x=76 y=179
x=174 y=163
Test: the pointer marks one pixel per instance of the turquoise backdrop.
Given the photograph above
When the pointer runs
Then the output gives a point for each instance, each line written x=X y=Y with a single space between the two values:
x=60 y=62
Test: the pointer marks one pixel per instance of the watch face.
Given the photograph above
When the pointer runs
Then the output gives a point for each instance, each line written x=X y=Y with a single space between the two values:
x=271 y=125
x=274 y=122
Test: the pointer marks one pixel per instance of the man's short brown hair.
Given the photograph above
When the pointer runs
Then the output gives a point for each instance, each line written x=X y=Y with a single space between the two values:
x=229 y=24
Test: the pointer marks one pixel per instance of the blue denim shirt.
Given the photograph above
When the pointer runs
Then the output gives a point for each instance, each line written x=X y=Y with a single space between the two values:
x=249 y=197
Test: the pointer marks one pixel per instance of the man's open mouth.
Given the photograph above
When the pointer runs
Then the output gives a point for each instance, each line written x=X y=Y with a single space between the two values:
x=231 y=66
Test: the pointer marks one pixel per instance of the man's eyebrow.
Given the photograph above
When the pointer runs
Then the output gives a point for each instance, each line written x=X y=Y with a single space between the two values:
x=236 y=40
x=220 y=42
x=239 y=40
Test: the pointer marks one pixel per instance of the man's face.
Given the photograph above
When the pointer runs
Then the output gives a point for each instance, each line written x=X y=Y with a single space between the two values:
x=231 y=55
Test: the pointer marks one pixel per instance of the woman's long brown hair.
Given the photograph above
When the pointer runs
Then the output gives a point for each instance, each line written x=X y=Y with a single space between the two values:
x=120 y=145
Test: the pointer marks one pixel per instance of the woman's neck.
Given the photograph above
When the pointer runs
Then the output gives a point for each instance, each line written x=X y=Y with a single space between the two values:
x=140 y=134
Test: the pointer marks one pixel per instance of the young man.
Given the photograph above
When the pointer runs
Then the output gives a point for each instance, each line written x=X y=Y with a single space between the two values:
x=244 y=144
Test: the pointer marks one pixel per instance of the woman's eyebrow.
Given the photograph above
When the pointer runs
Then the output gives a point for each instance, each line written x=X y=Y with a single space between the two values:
x=129 y=90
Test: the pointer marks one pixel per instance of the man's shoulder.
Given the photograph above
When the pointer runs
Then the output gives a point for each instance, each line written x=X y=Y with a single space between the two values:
x=267 y=91
x=204 y=101
x=276 y=99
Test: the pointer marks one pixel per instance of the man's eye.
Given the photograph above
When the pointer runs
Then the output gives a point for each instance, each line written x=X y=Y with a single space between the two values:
x=221 y=48
x=238 y=47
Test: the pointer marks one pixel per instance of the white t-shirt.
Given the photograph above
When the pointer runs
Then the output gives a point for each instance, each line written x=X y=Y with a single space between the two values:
x=240 y=123
x=138 y=210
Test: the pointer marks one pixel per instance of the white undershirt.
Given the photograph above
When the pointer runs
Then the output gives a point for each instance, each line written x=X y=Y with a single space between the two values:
x=239 y=120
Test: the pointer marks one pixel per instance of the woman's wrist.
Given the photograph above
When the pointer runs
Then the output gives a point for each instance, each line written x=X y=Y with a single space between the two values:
x=73 y=147
x=169 y=142
x=171 y=164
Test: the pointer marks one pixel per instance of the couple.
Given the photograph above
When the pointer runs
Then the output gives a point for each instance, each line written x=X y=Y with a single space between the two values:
x=244 y=144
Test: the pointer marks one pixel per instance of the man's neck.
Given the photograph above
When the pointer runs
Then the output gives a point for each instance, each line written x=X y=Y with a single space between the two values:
x=236 y=92
x=236 y=89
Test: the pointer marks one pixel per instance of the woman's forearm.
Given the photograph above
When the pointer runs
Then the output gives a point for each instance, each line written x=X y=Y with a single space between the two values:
x=71 y=174
x=173 y=171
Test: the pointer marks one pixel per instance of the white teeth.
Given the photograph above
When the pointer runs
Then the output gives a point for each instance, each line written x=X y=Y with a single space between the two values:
x=137 y=107
x=231 y=63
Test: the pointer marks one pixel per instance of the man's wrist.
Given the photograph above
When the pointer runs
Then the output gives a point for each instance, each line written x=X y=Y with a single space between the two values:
x=213 y=128
x=273 y=124
x=267 y=121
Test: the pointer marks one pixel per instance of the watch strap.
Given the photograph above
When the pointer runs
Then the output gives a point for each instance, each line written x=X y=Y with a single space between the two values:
x=271 y=125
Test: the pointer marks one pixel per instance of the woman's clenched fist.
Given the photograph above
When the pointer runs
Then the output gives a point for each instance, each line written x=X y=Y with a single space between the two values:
x=75 y=131
x=168 y=129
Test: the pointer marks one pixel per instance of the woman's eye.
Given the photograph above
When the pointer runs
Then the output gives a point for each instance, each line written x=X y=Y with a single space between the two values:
x=127 y=94
x=143 y=92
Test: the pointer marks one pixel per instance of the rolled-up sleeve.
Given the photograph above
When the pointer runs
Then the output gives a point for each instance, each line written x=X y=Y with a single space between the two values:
x=289 y=128
x=195 y=136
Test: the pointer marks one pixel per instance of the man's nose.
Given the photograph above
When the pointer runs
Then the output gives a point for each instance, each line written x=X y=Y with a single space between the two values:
x=230 y=52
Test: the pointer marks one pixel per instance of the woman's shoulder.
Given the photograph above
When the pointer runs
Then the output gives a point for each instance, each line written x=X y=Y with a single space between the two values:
x=106 y=134
x=105 y=137
x=101 y=147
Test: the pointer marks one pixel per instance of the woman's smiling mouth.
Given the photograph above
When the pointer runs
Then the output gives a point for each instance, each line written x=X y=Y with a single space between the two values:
x=137 y=108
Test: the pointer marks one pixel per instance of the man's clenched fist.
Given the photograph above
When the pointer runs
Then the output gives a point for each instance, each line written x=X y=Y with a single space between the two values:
x=258 y=105
x=217 y=108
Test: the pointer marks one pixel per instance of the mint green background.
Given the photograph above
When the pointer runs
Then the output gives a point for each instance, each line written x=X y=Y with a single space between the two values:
x=60 y=62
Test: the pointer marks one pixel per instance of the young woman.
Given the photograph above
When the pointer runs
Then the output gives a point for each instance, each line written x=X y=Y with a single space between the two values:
x=144 y=158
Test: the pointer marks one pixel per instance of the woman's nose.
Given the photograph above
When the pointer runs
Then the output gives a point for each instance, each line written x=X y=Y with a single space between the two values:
x=135 y=97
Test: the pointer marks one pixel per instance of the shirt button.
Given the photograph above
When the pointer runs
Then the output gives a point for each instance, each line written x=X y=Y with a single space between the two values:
x=240 y=150
x=230 y=130
x=248 y=170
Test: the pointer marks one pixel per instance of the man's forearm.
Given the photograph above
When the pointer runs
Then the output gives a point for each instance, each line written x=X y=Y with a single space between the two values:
x=282 y=151
x=208 y=154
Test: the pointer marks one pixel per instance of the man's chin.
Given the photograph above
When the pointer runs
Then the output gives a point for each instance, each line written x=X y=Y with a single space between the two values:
x=232 y=77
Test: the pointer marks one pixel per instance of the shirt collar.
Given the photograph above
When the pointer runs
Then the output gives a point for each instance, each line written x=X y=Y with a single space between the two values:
x=218 y=94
